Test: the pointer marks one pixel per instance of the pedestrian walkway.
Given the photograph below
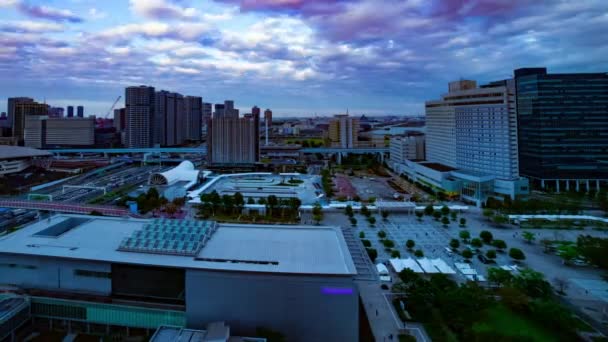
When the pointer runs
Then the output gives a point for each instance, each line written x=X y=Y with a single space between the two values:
x=382 y=318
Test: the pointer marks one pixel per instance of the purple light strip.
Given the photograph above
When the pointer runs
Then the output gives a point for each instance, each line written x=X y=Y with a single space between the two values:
x=337 y=290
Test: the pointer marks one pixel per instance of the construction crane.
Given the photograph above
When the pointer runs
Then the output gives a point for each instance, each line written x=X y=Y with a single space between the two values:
x=112 y=108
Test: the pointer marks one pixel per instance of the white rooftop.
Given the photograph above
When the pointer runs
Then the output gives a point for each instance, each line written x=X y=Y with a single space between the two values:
x=249 y=248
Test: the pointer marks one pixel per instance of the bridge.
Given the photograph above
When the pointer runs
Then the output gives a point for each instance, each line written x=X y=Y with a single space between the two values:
x=339 y=151
x=65 y=207
x=356 y=150
x=154 y=150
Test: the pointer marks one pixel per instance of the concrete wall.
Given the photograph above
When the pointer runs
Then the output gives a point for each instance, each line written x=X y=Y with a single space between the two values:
x=293 y=305
x=53 y=274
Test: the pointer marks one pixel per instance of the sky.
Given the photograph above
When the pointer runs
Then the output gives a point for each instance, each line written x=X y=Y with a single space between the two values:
x=297 y=57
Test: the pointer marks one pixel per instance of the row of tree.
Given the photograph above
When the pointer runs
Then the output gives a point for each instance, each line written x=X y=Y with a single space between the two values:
x=454 y=311
x=213 y=204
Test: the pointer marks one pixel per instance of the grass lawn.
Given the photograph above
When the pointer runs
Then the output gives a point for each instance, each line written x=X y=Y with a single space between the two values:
x=502 y=321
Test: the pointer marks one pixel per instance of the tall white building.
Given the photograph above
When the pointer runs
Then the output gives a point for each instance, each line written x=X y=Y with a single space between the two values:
x=475 y=129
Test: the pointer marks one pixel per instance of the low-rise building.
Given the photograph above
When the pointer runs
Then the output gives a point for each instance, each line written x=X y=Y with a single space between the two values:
x=15 y=159
x=45 y=132
x=297 y=280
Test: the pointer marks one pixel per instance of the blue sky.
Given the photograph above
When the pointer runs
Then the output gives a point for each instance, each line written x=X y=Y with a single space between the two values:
x=298 y=57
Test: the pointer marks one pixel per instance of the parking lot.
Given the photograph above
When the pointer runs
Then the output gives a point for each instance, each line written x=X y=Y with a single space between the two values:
x=372 y=187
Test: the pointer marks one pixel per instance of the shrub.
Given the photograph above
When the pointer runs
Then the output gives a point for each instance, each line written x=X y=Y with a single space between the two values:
x=491 y=254
x=373 y=254
x=362 y=235
x=382 y=234
x=486 y=236
x=419 y=253
x=395 y=254
x=476 y=243
x=410 y=244
x=467 y=254
x=517 y=254
x=366 y=243
x=388 y=243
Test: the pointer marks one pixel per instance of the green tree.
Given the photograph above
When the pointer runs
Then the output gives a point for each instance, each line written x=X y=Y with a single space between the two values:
x=528 y=236
x=372 y=253
x=476 y=243
x=517 y=254
x=499 y=276
x=419 y=253
x=445 y=221
x=454 y=243
x=250 y=200
x=239 y=201
x=262 y=201
x=491 y=254
x=428 y=210
x=500 y=219
x=215 y=200
x=371 y=200
x=384 y=215
x=467 y=254
x=500 y=244
x=388 y=243
x=454 y=215
x=362 y=235
x=272 y=202
x=353 y=222
x=410 y=244
x=532 y=283
x=486 y=236
x=419 y=215
x=445 y=211
x=488 y=213
x=463 y=222
x=395 y=254
x=170 y=209
x=593 y=249
x=382 y=234
x=464 y=235
x=365 y=211
x=437 y=215
x=228 y=204
x=349 y=210
x=408 y=276
x=567 y=252
x=371 y=220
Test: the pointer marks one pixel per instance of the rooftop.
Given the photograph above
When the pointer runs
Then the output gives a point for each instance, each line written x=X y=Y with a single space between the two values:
x=8 y=152
x=234 y=247
x=438 y=167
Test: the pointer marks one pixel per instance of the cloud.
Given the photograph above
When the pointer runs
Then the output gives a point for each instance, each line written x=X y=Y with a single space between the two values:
x=96 y=14
x=47 y=13
x=182 y=31
x=30 y=27
x=161 y=9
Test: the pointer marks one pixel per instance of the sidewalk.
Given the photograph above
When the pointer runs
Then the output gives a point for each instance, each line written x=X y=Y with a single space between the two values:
x=382 y=318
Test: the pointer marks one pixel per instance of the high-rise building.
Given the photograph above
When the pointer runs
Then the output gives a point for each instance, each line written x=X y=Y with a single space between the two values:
x=268 y=117
x=120 y=119
x=232 y=139
x=343 y=131
x=473 y=131
x=80 y=111
x=207 y=114
x=70 y=111
x=139 y=102
x=255 y=113
x=45 y=132
x=56 y=112
x=194 y=117
x=407 y=147
x=11 y=106
x=474 y=128
x=169 y=119
x=563 y=128
x=24 y=109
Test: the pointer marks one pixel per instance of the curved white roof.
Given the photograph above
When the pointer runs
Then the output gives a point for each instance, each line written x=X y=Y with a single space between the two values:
x=184 y=172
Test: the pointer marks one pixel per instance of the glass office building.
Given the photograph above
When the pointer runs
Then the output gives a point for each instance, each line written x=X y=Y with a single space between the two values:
x=563 y=128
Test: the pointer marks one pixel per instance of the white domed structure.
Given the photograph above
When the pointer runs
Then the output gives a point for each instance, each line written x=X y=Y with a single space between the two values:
x=184 y=172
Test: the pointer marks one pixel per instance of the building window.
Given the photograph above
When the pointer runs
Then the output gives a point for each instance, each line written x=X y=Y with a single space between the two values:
x=93 y=274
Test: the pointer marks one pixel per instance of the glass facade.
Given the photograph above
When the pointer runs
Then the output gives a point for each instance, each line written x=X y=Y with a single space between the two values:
x=562 y=125
x=111 y=314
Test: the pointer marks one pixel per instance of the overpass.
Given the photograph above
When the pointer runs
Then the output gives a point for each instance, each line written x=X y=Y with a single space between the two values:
x=339 y=151
x=65 y=207
x=155 y=150
x=356 y=150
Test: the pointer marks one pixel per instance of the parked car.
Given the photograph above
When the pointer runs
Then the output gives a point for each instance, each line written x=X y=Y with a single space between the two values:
x=483 y=259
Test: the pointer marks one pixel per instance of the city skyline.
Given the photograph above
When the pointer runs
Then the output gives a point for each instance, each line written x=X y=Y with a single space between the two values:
x=298 y=57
